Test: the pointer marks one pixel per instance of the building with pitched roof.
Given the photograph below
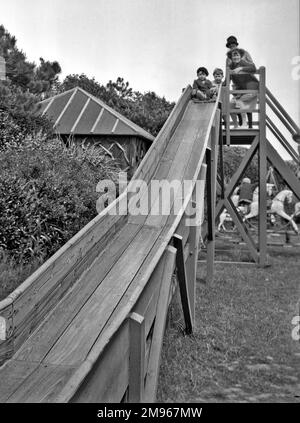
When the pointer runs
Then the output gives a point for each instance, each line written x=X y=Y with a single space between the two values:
x=84 y=118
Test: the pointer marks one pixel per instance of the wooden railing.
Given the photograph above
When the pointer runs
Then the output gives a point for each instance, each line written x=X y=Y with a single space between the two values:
x=287 y=122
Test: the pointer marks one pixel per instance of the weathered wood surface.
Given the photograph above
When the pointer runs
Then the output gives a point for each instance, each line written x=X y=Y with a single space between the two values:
x=69 y=345
x=40 y=343
x=109 y=379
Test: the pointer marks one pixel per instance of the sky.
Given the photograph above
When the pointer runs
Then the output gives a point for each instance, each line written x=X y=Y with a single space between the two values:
x=157 y=45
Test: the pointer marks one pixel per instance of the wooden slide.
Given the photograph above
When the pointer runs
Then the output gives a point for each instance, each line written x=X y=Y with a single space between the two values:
x=88 y=325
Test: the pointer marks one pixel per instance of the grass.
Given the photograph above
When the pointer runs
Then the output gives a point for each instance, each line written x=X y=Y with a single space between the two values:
x=242 y=349
x=12 y=274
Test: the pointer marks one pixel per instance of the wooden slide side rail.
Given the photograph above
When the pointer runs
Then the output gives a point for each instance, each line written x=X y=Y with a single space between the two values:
x=151 y=160
x=281 y=113
x=25 y=307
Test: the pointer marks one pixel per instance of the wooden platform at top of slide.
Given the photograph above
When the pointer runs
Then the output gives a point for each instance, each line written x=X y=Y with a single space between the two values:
x=57 y=351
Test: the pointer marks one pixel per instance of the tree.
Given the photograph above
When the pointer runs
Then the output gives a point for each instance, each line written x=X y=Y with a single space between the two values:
x=148 y=110
x=24 y=74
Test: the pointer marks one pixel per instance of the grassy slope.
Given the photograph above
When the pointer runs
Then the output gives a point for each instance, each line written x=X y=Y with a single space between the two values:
x=242 y=349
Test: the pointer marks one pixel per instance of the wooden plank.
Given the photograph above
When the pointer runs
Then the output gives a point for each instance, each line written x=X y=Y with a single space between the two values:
x=25 y=326
x=190 y=130
x=6 y=322
x=242 y=229
x=56 y=323
x=183 y=230
x=49 y=276
x=227 y=107
x=6 y=350
x=161 y=173
x=75 y=343
x=262 y=171
x=183 y=139
x=244 y=110
x=243 y=91
x=280 y=137
x=212 y=162
x=183 y=283
x=147 y=302
x=109 y=377
x=281 y=112
x=280 y=165
x=42 y=385
x=13 y=374
x=160 y=322
x=149 y=163
x=136 y=357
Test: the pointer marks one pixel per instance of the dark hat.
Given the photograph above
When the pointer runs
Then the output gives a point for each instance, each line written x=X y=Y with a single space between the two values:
x=231 y=40
x=202 y=69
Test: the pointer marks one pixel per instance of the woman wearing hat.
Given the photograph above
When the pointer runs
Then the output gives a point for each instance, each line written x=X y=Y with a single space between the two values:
x=243 y=79
x=232 y=43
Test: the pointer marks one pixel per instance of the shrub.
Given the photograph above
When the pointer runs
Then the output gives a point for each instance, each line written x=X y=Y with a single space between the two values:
x=47 y=194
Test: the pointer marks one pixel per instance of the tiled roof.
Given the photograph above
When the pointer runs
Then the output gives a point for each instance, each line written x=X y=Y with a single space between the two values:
x=80 y=113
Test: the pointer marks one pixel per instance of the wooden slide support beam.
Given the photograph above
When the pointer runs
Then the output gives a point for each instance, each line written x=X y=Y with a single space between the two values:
x=242 y=229
x=221 y=180
x=212 y=163
x=234 y=180
x=183 y=283
x=281 y=113
x=262 y=172
x=136 y=358
x=167 y=263
x=194 y=238
x=283 y=141
x=280 y=165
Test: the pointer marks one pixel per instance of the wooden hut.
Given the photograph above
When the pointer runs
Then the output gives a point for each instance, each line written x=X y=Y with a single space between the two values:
x=85 y=119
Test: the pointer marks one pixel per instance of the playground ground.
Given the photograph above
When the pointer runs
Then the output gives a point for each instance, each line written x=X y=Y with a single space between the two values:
x=242 y=349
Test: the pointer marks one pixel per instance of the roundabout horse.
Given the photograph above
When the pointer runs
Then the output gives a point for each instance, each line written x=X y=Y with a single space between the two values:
x=254 y=206
x=225 y=216
x=277 y=207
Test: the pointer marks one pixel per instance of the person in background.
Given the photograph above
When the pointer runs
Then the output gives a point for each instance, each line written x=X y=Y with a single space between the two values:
x=202 y=86
x=245 y=193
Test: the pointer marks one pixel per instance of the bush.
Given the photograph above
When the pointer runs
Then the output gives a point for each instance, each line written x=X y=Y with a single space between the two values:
x=47 y=194
x=19 y=117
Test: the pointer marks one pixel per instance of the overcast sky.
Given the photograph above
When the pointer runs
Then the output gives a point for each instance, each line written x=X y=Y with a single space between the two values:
x=157 y=45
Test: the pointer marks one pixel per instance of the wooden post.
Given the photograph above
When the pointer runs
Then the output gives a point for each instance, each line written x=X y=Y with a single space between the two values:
x=183 y=283
x=227 y=106
x=262 y=154
x=221 y=149
x=159 y=327
x=136 y=358
x=211 y=161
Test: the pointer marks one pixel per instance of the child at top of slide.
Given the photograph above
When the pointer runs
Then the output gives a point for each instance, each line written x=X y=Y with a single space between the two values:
x=202 y=86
